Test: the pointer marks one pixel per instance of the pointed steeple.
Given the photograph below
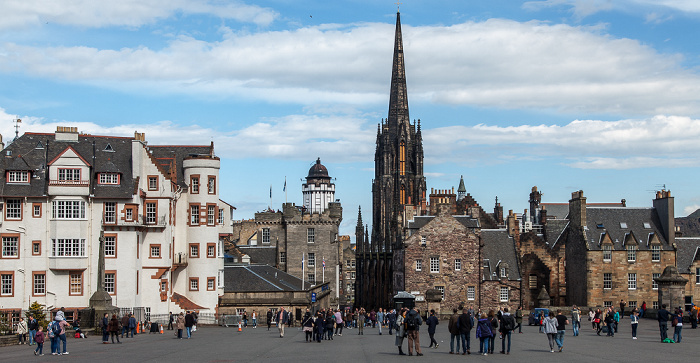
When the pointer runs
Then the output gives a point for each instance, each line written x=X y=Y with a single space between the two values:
x=462 y=190
x=398 y=97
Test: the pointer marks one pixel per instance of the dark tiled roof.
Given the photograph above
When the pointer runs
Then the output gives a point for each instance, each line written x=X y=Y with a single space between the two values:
x=259 y=278
x=688 y=250
x=561 y=210
x=499 y=246
x=33 y=151
x=555 y=230
x=260 y=254
x=690 y=225
x=166 y=154
x=608 y=220
x=419 y=222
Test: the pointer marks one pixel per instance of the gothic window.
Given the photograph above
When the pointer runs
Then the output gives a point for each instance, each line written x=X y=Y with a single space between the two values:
x=402 y=158
x=403 y=194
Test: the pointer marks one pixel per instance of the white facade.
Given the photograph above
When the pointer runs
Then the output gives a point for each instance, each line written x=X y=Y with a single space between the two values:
x=156 y=256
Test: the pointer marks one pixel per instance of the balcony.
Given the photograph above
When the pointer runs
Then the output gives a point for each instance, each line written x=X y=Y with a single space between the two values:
x=69 y=183
x=179 y=260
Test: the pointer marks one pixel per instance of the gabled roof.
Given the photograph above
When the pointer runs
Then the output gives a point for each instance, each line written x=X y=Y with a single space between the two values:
x=260 y=254
x=167 y=154
x=259 y=278
x=499 y=249
x=620 y=224
x=687 y=252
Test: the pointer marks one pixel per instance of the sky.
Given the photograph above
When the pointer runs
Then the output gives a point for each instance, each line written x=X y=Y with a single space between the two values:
x=601 y=96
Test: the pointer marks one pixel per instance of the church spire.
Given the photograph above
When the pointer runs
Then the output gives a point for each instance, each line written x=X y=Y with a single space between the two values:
x=398 y=97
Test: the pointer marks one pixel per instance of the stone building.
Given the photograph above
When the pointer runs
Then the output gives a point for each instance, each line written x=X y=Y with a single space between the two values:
x=688 y=265
x=349 y=269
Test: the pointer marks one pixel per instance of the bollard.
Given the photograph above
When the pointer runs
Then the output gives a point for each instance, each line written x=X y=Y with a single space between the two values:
x=161 y=328
x=239 y=326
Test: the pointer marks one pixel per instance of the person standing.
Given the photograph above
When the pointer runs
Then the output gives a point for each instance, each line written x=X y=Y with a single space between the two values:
x=373 y=318
x=125 y=326
x=105 y=329
x=432 y=323
x=519 y=319
x=114 y=328
x=453 y=328
x=400 y=330
x=22 y=331
x=483 y=333
x=493 y=320
x=189 y=323
x=610 y=322
x=180 y=324
x=391 y=318
x=319 y=324
x=549 y=326
x=662 y=317
x=361 y=322
x=617 y=318
x=622 y=311
x=644 y=309
x=634 y=321
x=269 y=319
x=330 y=321
x=61 y=320
x=338 y=322
x=576 y=319
x=32 y=325
x=561 y=329
x=677 y=324
x=245 y=319
x=380 y=319
x=507 y=327
x=171 y=319
x=591 y=318
x=39 y=339
x=413 y=322
x=598 y=318
x=307 y=323
x=255 y=319
x=132 y=326
x=465 y=328
x=281 y=320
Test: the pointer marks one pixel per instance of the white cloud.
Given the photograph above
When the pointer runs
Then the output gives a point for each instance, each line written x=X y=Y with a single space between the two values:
x=131 y=13
x=691 y=208
x=584 y=8
x=496 y=63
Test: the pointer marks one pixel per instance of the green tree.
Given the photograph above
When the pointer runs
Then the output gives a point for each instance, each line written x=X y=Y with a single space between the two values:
x=38 y=311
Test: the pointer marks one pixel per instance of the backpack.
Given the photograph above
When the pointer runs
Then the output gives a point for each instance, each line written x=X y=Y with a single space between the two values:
x=411 y=322
x=56 y=328
x=508 y=323
x=674 y=322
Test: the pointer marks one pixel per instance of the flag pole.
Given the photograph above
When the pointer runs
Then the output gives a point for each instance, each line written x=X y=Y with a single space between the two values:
x=324 y=270
x=302 y=271
x=285 y=189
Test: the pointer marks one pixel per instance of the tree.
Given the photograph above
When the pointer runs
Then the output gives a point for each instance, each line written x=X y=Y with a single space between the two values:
x=37 y=310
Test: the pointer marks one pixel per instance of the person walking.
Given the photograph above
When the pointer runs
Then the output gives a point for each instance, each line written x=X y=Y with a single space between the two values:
x=576 y=319
x=338 y=322
x=677 y=324
x=61 y=319
x=413 y=321
x=494 y=329
x=634 y=321
x=391 y=319
x=453 y=328
x=483 y=333
x=171 y=320
x=269 y=319
x=132 y=325
x=39 y=339
x=32 y=325
x=597 y=320
x=466 y=323
x=281 y=321
x=255 y=319
x=519 y=319
x=22 y=331
x=114 y=328
x=507 y=327
x=561 y=329
x=591 y=318
x=319 y=324
x=549 y=326
x=662 y=317
x=307 y=323
x=400 y=330
x=432 y=323
x=380 y=319
x=124 y=325
x=105 y=328
x=330 y=322
x=617 y=318
x=180 y=324
x=361 y=322
x=610 y=322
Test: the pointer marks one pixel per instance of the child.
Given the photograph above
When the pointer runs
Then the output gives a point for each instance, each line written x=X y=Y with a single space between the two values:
x=39 y=339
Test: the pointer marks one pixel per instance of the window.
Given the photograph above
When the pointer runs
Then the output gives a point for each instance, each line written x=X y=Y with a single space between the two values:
x=607 y=281
x=655 y=253
x=419 y=265
x=194 y=214
x=623 y=225
x=504 y=272
x=194 y=184
x=353 y=275
x=17 y=176
x=211 y=214
x=194 y=250
x=76 y=283
x=68 y=209
x=211 y=185
x=311 y=278
x=39 y=283
x=655 y=305
x=36 y=248
x=283 y=257
x=221 y=215
x=72 y=175
x=697 y=275
x=265 y=235
x=111 y=282
x=152 y=182
x=163 y=285
x=310 y=235
x=110 y=212
x=631 y=253
x=109 y=178
x=194 y=284
x=434 y=264
x=36 y=210
x=647 y=225
x=7 y=283
x=211 y=282
x=129 y=214
x=110 y=246
x=654 y=284
x=13 y=209
x=10 y=246
x=442 y=291
x=423 y=241
x=607 y=304
x=68 y=247
x=220 y=279
x=503 y=295
x=631 y=281
x=607 y=253
x=352 y=263
x=471 y=292
x=532 y=282
x=155 y=251
x=458 y=264
x=211 y=250
x=312 y=259
x=632 y=304
x=151 y=210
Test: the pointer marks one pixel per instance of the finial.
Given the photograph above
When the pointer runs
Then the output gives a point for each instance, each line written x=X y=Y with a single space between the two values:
x=398 y=6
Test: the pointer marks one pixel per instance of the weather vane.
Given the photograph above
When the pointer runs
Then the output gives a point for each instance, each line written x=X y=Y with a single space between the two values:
x=398 y=5
x=17 y=121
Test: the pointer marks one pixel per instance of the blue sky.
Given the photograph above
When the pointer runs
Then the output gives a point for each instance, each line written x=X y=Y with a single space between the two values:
x=562 y=94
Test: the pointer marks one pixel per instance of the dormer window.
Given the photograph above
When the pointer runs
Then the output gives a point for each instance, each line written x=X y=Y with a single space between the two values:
x=69 y=175
x=109 y=178
x=39 y=145
x=108 y=148
x=607 y=253
x=18 y=176
x=631 y=253
x=600 y=225
x=504 y=272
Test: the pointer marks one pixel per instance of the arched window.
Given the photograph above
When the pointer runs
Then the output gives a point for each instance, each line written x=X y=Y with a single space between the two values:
x=402 y=158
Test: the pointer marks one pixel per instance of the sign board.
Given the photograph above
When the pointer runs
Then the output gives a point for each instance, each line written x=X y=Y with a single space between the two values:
x=313 y=297
x=415 y=292
x=420 y=298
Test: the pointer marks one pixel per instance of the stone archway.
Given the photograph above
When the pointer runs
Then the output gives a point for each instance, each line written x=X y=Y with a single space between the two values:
x=535 y=273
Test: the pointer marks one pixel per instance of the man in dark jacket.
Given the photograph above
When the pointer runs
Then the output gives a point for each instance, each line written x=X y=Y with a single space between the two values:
x=391 y=317
x=507 y=327
x=662 y=316
x=465 y=328
x=32 y=325
x=413 y=322
x=171 y=319
x=189 y=323
x=132 y=324
x=432 y=323
x=269 y=319
x=105 y=329
x=125 y=325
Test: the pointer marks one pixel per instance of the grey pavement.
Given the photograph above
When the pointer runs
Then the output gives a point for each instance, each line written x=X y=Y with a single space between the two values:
x=217 y=344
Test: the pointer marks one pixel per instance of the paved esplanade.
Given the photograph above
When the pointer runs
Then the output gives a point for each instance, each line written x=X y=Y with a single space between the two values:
x=215 y=344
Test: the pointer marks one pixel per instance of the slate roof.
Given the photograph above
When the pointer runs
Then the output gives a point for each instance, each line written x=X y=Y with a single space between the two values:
x=608 y=220
x=259 y=278
x=499 y=246
x=561 y=210
x=554 y=230
x=687 y=251
x=33 y=151
x=690 y=225
x=260 y=254
x=166 y=154
x=419 y=222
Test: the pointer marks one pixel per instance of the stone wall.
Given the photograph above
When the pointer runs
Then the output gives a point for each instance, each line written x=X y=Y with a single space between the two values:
x=547 y=264
x=491 y=291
